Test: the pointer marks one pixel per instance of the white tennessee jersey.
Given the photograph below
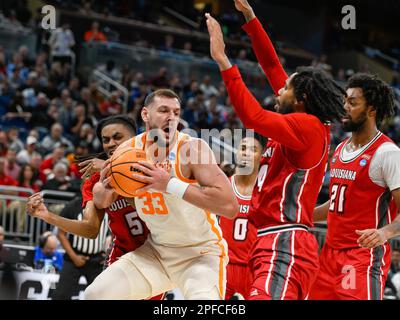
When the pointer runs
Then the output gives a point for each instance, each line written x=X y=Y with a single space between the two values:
x=173 y=221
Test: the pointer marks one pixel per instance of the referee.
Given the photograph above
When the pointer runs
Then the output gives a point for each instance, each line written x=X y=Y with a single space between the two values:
x=83 y=257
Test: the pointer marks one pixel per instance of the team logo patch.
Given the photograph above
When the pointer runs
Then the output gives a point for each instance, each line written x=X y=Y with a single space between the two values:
x=172 y=156
x=363 y=162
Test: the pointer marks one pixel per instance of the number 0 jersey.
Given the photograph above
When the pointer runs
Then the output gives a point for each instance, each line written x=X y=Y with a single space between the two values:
x=239 y=233
x=171 y=220
x=356 y=202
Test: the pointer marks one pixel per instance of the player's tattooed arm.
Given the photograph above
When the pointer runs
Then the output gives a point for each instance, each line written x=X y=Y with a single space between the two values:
x=371 y=238
x=321 y=212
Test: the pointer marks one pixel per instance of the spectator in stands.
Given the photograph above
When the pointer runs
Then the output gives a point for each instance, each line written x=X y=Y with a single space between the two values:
x=26 y=179
x=47 y=165
x=60 y=181
x=79 y=119
x=61 y=43
x=110 y=70
x=73 y=87
x=161 y=79
x=39 y=113
x=207 y=87
x=25 y=156
x=87 y=135
x=12 y=168
x=47 y=250
x=5 y=180
x=13 y=139
x=168 y=43
x=17 y=111
x=187 y=48
x=55 y=136
x=94 y=34
x=3 y=143
x=111 y=106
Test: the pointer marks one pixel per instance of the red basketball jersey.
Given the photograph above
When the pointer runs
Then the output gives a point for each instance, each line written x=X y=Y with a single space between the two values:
x=128 y=230
x=285 y=194
x=239 y=233
x=356 y=202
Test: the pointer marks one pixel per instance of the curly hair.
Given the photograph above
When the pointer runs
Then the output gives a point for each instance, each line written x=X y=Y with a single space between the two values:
x=376 y=92
x=321 y=95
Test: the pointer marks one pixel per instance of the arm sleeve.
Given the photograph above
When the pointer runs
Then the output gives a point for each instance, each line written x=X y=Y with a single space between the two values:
x=266 y=54
x=290 y=130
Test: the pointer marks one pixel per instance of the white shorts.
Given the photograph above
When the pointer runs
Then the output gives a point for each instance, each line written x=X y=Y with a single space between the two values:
x=199 y=272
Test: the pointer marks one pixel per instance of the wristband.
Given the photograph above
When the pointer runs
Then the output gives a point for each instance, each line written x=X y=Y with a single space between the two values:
x=177 y=187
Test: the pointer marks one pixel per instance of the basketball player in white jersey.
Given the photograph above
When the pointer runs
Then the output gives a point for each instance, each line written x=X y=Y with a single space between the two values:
x=185 y=248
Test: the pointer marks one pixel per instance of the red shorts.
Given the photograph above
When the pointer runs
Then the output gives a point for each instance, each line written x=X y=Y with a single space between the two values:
x=284 y=265
x=351 y=274
x=239 y=279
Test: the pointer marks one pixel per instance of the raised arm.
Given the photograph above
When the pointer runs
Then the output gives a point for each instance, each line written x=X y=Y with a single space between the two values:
x=285 y=129
x=263 y=47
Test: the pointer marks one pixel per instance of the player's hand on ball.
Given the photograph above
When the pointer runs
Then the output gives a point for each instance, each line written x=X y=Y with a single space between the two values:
x=35 y=206
x=371 y=238
x=104 y=177
x=156 y=178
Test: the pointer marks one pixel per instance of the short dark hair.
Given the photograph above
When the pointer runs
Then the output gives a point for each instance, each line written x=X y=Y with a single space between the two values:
x=126 y=121
x=376 y=92
x=261 y=139
x=168 y=93
x=321 y=95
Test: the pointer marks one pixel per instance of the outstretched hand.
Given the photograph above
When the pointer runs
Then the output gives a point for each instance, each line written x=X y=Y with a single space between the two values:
x=217 y=44
x=244 y=7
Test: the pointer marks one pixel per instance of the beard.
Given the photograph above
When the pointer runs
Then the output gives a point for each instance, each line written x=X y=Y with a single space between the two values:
x=354 y=126
x=284 y=108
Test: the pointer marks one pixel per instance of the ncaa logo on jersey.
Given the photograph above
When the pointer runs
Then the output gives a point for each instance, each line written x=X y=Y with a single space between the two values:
x=172 y=156
x=334 y=160
x=363 y=162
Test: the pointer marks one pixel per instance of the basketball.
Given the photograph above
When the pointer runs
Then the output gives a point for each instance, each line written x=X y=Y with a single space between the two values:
x=121 y=171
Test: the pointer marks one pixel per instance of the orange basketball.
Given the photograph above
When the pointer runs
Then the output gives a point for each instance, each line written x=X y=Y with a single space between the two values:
x=121 y=171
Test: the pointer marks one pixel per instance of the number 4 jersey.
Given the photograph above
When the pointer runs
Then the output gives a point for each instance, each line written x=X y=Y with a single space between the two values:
x=360 y=190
